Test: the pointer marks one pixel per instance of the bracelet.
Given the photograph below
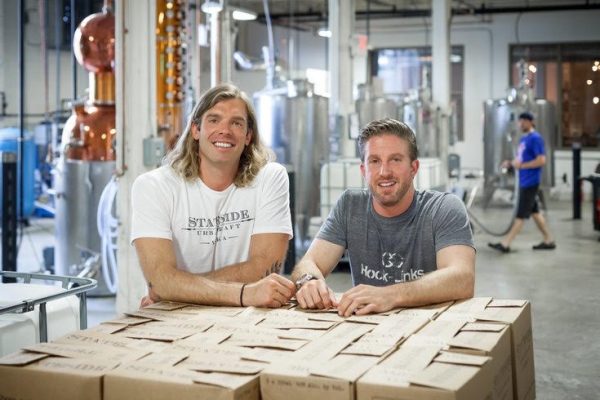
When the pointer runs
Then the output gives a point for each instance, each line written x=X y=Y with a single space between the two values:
x=242 y=295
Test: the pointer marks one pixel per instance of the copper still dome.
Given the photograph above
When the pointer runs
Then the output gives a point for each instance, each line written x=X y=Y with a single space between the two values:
x=94 y=42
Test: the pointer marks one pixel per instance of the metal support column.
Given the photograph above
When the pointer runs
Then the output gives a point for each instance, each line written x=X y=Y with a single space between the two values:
x=9 y=214
x=440 y=78
x=43 y=323
x=341 y=102
x=82 y=310
x=577 y=195
x=135 y=88
x=215 y=49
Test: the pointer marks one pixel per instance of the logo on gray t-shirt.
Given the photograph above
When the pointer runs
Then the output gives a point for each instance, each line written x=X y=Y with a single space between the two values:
x=384 y=251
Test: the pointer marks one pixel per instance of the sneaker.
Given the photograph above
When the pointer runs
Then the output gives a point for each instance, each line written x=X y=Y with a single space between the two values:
x=545 y=246
x=500 y=247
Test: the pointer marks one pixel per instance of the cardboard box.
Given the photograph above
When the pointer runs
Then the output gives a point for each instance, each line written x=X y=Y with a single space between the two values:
x=36 y=376
x=187 y=369
x=450 y=358
x=412 y=373
x=149 y=381
x=472 y=349
x=491 y=341
x=319 y=369
x=517 y=313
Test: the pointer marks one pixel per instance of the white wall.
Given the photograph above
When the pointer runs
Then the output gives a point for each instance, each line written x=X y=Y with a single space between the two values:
x=34 y=71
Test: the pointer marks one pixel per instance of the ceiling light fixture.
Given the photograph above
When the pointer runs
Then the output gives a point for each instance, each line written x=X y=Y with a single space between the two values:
x=211 y=7
x=324 y=32
x=241 y=14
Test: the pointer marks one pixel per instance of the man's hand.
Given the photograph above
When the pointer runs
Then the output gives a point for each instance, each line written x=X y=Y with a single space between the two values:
x=366 y=299
x=516 y=163
x=150 y=298
x=315 y=294
x=272 y=291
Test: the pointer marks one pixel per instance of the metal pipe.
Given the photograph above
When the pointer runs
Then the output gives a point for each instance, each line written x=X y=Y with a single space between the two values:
x=83 y=285
x=43 y=323
x=82 y=311
x=317 y=16
x=73 y=59
x=44 y=54
x=21 y=105
x=227 y=45
x=215 y=49
x=270 y=60
x=57 y=43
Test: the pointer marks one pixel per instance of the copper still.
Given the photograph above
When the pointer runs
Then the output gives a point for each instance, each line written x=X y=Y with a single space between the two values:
x=89 y=133
x=171 y=50
x=87 y=164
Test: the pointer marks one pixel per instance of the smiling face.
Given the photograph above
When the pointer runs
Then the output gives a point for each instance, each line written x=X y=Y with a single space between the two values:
x=223 y=133
x=389 y=172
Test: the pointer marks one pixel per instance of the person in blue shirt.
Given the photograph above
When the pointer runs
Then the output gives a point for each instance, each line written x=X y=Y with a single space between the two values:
x=529 y=162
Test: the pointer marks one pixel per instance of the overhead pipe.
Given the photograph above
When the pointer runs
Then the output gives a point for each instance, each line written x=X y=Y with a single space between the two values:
x=316 y=16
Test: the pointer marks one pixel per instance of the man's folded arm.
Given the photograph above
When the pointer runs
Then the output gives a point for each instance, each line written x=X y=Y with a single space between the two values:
x=166 y=281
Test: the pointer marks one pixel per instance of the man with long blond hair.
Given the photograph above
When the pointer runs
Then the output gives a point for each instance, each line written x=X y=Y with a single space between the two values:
x=212 y=225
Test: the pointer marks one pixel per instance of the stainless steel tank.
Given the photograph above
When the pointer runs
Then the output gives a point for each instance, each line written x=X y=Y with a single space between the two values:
x=78 y=185
x=423 y=117
x=293 y=121
x=501 y=139
x=546 y=125
x=270 y=106
x=371 y=106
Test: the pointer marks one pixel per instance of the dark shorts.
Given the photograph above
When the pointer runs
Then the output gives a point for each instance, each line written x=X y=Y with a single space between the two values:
x=527 y=202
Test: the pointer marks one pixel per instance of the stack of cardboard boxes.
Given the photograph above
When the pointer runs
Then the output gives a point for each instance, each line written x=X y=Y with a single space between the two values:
x=475 y=349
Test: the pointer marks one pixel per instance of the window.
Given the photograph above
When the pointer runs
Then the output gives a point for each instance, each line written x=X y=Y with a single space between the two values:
x=58 y=20
x=567 y=74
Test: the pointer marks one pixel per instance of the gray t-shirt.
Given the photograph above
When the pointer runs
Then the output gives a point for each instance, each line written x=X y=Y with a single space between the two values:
x=384 y=251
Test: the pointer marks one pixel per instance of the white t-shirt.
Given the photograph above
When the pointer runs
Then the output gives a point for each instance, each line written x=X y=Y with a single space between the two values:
x=209 y=229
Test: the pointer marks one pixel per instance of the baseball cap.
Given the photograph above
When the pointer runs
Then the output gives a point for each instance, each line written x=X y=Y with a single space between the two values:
x=526 y=115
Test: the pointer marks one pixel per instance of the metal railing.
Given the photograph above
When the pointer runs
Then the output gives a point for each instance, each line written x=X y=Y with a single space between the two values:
x=72 y=285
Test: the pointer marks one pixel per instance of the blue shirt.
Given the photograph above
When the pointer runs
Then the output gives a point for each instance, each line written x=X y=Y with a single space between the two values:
x=531 y=146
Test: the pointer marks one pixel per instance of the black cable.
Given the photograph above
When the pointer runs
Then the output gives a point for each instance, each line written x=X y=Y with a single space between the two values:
x=489 y=231
x=512 y=219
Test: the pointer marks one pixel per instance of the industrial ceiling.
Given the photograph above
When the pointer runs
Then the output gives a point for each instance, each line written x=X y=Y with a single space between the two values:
x=291 y=12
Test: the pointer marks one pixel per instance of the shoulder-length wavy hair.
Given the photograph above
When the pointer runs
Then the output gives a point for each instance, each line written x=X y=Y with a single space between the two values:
x=184 y=158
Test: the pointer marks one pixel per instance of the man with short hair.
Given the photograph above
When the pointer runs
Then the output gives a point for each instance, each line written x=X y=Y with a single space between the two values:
x=212 y=225
x=406 y=247
x=529 y=162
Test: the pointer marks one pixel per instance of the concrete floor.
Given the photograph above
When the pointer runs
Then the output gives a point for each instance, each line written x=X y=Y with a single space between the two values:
x=562 y=285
